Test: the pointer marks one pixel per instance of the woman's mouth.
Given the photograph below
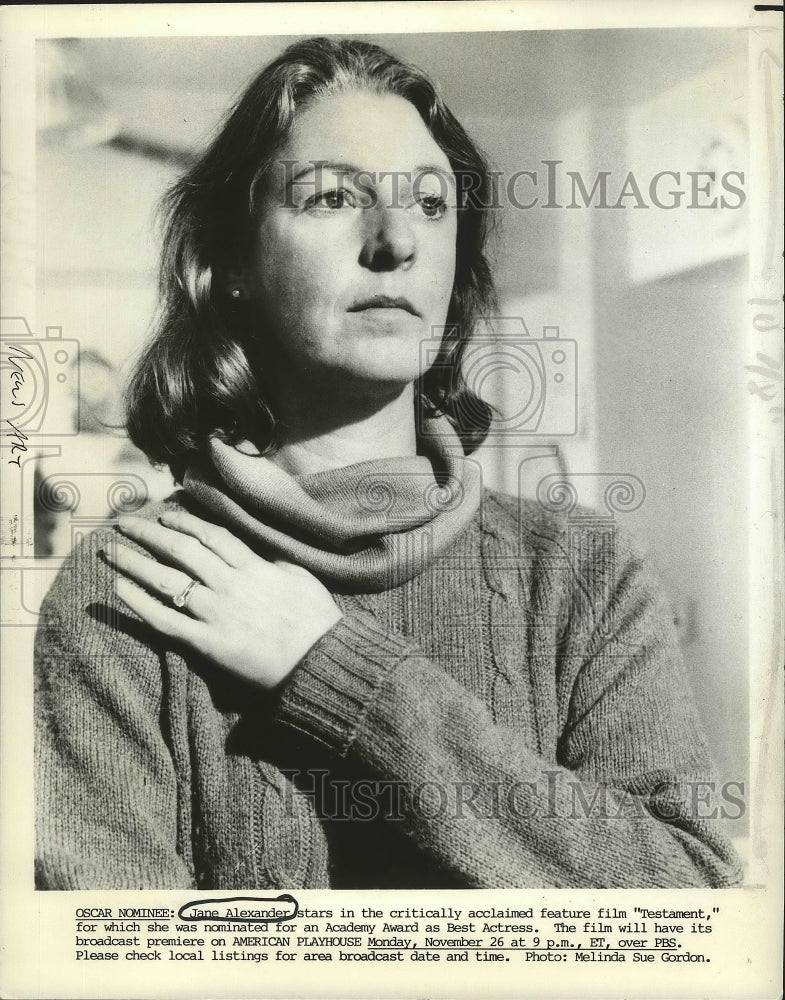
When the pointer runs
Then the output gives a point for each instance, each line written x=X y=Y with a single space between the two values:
x=386 y=302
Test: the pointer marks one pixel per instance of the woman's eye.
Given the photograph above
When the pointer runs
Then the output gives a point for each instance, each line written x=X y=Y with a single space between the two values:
x=433 y=206
x=331 y=200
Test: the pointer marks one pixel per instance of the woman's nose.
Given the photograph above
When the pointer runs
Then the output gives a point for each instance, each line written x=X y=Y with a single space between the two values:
x=389 y=239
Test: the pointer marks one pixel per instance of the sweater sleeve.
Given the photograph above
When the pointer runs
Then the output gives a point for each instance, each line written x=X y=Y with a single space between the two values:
x=105 y=784
x=622 y=800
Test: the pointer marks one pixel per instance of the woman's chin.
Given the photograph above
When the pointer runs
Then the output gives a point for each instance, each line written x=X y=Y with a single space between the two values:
x=379 y=365
x=384 y=381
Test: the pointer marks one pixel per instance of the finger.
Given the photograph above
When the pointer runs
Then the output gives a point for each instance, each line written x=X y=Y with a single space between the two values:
x=185 y=552
x=166 y=620
x=164 y=581
x=218 y=540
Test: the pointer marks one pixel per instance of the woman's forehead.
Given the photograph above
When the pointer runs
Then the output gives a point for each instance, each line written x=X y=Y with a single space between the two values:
x=374 y=132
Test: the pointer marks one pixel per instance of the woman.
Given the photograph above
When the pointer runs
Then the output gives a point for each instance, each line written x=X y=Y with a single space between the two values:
x=332 y=658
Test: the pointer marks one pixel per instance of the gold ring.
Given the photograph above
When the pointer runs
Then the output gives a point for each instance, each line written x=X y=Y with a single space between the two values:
x=180 y=600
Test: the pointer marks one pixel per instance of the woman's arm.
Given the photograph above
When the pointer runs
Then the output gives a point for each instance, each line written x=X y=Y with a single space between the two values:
x=620 y=803
x=105 y=785
x=629 y=739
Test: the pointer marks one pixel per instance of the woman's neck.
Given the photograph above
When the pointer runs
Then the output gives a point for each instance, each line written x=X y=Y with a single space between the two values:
x=324 y=433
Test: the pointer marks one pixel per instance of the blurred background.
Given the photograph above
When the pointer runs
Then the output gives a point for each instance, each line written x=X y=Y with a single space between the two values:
x=646 y=302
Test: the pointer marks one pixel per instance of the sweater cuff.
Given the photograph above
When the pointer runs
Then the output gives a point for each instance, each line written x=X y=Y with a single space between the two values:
x=332 y=687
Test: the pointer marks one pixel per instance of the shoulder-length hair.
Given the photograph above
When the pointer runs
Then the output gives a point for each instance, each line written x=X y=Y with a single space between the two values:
x=196 y=377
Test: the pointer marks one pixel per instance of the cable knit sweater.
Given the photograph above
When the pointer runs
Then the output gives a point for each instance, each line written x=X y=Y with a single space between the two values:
x=503 y=704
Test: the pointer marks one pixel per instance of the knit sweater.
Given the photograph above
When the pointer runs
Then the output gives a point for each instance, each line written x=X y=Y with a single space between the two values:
x=507 y=707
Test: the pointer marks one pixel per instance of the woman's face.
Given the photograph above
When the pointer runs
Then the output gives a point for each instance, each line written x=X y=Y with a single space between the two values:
x=354 y=253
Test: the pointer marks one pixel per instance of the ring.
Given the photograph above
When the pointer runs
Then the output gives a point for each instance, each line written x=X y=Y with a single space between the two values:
x=180 y=600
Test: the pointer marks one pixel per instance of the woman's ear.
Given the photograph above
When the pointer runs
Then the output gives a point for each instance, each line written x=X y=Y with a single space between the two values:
x=232 y=282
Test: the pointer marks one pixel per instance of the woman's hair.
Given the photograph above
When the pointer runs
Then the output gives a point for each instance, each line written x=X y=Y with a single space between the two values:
x=199 y=375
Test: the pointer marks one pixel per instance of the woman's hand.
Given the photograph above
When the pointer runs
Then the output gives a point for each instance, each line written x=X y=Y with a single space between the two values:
x=250 y=616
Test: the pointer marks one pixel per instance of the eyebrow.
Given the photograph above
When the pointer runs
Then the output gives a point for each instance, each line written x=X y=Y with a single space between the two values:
x=352 y=168
x=431 y=168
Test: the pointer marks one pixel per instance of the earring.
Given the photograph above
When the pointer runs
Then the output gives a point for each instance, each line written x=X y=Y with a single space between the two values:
x=235 y=293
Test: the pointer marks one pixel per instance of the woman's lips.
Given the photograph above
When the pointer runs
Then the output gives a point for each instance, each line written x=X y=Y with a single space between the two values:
x=383 y=302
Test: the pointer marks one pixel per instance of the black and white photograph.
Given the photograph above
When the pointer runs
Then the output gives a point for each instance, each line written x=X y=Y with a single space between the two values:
x=392 y=473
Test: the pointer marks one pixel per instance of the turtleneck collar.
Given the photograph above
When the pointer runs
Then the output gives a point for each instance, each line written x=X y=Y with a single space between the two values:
x=364 y=527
